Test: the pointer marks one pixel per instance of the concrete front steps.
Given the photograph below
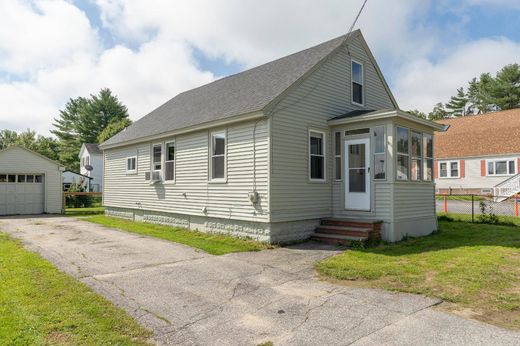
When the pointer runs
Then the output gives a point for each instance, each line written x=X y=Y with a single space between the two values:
x=346 y=231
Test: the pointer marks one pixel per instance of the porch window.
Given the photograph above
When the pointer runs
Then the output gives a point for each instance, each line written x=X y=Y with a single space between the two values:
x=379 y=153
x=218 y=156
x=169 y=162
x=428 y=156
x=317 y=155
x=337 y=155
x=403 y=157
x=131 y=164
x=449 y=169
x=357 y=79
x=416 y=156
x=157 y=157
x=501 y=167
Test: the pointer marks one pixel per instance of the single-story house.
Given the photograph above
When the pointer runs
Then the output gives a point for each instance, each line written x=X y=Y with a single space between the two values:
x=312 y=144
x=29 y=183
x=70 y=178
x=480 y=154
x=91 y=165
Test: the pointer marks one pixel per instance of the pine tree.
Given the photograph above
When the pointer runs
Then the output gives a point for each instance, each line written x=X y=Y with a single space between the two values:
x=113 y=128
x=506 y=87
x=438 y=112
x=457 y=105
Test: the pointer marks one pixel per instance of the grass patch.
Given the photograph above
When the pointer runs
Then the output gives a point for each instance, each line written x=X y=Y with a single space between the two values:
x=84 y=211
x=41 y=306
x=459 y=198
x=216 y=244
x=475 y=267
x=504 y=220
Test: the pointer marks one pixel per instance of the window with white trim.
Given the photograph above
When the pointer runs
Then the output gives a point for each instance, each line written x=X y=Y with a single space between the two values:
x=157 y=157
x=357 y=82
x=449 y=169
x=501 y=167
x=169 y=162
x=403 y=156
x=317 y=156
x=379 y=153
x=218 y=156
x=428 y=157
x=416 y=169
x=131 y=164
x=337 y=155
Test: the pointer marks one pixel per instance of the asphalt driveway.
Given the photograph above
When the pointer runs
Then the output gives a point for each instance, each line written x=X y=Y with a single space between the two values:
x=189 y=297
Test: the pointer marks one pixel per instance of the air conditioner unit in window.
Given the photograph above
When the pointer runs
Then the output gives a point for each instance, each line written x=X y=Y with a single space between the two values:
x=152 y=177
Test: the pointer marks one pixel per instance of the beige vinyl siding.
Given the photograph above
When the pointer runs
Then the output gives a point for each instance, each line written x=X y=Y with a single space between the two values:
x=192 y=190
x=413 y=201
x=17 y=160
x=322 y=96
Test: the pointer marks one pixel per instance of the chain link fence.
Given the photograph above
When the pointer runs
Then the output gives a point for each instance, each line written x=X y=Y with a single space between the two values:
x=471 y=207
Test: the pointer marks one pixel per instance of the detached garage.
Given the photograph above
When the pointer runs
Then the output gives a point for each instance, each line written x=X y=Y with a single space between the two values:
x=29 y=183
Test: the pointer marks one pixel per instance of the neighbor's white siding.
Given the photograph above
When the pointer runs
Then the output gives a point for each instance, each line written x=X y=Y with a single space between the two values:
x=96 y=161
x=192 y=191
x=18 y=160
x=322 y=96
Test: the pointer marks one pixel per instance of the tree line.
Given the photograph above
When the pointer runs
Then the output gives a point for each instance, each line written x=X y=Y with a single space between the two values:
x=92 y=119
x=484 y=94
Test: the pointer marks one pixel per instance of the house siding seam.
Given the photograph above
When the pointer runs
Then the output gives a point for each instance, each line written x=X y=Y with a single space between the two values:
x=192 y=191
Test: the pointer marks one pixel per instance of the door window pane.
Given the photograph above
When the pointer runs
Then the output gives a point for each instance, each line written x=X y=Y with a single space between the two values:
x=356 y=157
x=357 y=181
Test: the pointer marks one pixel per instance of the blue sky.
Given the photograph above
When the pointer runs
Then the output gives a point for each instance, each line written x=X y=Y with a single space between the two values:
x=148 y=51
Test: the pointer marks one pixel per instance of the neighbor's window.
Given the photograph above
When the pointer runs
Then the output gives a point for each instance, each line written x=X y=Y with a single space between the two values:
x=416 y=169
x=379 y=153
x=501 y=167
x=337 y=155
x=357 y=82
x=169 y=163
x=131 y=164
x=403 y=157
x=428 y=157
x=449 y=169
x=157 y=157
x=218 y=155
x=317 y=155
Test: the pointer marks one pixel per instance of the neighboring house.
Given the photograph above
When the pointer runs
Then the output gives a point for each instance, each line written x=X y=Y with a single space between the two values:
x=29 y=183
x=70 y=178
x=91 y=165
x=479 y=154
x=274 y=151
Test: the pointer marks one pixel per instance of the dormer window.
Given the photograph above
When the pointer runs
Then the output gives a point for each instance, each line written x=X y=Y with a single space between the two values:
x=357 y=79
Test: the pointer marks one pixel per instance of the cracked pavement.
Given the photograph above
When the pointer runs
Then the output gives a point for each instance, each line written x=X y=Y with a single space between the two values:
x=188 y=297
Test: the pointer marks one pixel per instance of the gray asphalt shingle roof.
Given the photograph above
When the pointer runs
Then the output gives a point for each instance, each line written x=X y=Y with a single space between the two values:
x=242 y=93
x=93 y=148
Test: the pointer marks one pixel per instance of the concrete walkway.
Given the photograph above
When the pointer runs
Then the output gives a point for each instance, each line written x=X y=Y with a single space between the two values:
x=188 y=297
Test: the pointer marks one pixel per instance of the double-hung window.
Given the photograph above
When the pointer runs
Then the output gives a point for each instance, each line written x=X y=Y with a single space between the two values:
x=379 y=153
x=357 y=79
x=169 y=162
x=157 y=157
x=131 y=164
x=449 y=169
x=501 y=167
x=317 y=156
x=416 y=169
x=403 y=156
x=337 y=155
x=428 y=157
x=218 y=156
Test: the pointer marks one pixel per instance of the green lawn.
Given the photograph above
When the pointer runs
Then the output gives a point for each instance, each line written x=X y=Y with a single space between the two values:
x=511 y=220
x=41 y=306
x=212 y=243
x=473 y=267
x=84 y=211
x=459 y=198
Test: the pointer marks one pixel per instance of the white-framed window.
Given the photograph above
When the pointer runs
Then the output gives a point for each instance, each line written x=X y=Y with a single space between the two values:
x=337 y=156
x=357 y=82
x=403 y=155
x=218 y=151
x=131 y=164
x=428 y=157
x=317 y=155
x=416 y=151
x=449 y=169
x=157 y=157
x=501 y=167
x=169 y=162
x=379 y=153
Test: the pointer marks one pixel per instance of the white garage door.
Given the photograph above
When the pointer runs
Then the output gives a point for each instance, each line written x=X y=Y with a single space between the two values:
x=21 y=194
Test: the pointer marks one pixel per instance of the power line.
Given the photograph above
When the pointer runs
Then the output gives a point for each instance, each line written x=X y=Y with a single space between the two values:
x=355 y=21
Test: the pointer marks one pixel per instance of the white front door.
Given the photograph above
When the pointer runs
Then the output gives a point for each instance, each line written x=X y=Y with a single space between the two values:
x=357 y=174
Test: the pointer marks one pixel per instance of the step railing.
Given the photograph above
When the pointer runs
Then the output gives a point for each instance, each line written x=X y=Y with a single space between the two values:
x=507 y=188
